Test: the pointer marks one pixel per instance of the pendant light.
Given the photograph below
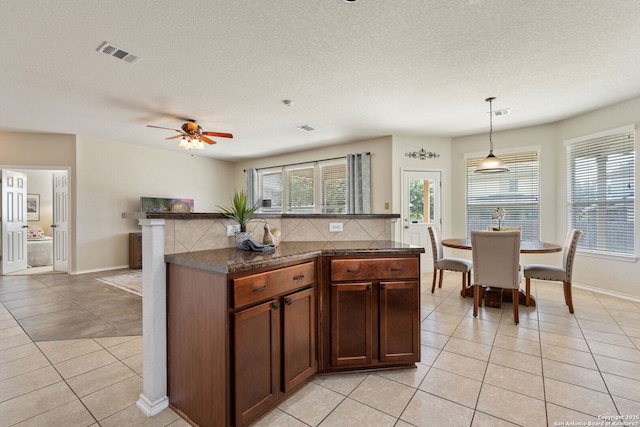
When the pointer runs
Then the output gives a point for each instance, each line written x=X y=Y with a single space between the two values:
x=491 y=164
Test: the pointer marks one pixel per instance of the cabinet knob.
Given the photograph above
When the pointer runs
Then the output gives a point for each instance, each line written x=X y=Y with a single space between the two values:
x=368 y=287
x=288 y=301
x=383 y=287
x=275 y=305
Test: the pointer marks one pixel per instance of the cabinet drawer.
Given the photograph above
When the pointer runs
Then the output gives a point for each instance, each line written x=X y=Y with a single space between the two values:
x=374 y=269
x=257 y=287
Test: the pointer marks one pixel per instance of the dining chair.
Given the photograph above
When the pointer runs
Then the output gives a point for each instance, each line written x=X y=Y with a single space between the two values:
x=496 y=264
x=440 y=264
x=556 y=274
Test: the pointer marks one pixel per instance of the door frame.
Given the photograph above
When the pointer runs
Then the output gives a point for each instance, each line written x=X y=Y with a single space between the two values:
x=425 y=257
x=66 y=169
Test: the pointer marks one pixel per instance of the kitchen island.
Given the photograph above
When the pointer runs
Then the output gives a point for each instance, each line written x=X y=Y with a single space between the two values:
x=247 y=329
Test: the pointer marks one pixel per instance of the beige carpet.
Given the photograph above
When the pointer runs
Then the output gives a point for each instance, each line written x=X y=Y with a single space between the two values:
x=130 y=282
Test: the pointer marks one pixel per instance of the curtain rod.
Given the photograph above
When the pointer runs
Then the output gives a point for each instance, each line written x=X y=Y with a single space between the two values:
x=312 y=161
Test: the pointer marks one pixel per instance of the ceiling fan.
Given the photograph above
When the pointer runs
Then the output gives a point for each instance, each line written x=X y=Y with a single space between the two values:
x=193 y=136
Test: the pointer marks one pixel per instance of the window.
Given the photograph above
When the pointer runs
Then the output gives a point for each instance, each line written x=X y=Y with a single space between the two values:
x=601 y=190
x=516 y=191
x=317 y=187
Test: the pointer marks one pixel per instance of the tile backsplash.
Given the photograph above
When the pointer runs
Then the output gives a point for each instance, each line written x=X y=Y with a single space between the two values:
x=182 y=235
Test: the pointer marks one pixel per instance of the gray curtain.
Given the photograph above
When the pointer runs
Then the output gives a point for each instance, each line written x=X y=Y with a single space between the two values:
x=252 y=185
x=359 y=183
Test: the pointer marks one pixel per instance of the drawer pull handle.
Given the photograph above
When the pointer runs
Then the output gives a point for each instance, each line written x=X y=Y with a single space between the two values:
x=397 y=268
x=259 y=289
x=288 y=301
x=300 y=277
x=349 y=270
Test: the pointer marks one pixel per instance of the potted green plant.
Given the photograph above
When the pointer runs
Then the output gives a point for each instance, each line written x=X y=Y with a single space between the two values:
x=241 y=212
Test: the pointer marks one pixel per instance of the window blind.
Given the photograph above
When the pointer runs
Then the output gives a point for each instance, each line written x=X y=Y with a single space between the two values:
x=270 y=184
x=601 y=192
x=516 y=191
x=334 y=187
x=314 y=187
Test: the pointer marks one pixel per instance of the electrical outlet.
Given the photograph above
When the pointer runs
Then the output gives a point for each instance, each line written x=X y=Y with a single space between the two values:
x=335 y=227
x=232 y=229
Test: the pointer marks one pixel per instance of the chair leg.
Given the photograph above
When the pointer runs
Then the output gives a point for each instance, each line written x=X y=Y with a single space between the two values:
x=516 y=303
x=433 y=285
x=440 y=279
x=464 y=285
x=527 y=291
x=567 y=296
x=476 y=299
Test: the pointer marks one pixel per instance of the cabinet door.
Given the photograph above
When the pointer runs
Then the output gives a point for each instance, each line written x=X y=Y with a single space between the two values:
x=256 y=360
x=351 y=327
x=400 y=321
x=299 y=338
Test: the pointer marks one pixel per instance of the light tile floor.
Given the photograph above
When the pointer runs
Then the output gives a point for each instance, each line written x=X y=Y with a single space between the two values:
x=553 y=368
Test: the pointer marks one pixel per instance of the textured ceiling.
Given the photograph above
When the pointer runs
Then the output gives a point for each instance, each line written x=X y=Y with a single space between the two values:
x=352 y=70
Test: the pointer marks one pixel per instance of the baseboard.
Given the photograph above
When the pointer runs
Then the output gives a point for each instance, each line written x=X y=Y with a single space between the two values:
x=98 y=270
x=606 y=292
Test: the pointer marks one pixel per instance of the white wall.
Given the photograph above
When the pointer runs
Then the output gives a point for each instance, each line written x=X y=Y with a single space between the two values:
x=111 y=178
x=606 y=274
x=403 y=144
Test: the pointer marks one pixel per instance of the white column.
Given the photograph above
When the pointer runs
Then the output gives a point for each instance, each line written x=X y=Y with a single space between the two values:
x=154 y=319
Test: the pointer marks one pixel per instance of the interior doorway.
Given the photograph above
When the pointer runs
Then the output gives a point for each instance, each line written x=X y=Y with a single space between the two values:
x=43 y=237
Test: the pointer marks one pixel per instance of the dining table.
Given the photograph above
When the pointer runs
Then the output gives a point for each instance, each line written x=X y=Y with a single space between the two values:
x=495 y=297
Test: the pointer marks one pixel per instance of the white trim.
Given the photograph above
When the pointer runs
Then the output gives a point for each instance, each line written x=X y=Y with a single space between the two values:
x=602 y=134
x=606 y=292
x=98 y=270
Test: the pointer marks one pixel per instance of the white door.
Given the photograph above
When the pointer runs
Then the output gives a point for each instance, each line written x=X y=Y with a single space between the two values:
x=420 y=209
x=60 y=224
x=14 y=221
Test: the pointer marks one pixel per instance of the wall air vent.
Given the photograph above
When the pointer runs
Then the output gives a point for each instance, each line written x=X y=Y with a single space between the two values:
x=111 y=50
x=306 y=128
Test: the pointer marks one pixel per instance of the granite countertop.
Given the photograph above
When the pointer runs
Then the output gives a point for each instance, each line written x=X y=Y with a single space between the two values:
x=232 y=260
x=215 y=215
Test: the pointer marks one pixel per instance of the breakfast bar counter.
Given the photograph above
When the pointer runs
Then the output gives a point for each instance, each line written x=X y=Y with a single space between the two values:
x=247 y=329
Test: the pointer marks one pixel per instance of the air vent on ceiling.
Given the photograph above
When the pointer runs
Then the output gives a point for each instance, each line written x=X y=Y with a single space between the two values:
x=502 y=112
x=306 y=128
x=111 y=50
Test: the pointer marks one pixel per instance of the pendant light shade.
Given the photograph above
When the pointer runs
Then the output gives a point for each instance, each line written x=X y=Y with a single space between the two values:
x=491 y=164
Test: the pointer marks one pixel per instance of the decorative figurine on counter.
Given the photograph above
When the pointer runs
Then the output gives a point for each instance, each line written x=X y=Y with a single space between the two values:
x=271 y=235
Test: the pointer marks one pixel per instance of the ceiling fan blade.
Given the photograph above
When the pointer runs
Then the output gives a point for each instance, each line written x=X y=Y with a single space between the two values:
x=207 y=140
x=220 y=134
x=174 y=137
x=160 y=127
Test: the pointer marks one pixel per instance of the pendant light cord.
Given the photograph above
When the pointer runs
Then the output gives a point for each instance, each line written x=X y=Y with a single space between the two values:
x=490 y=100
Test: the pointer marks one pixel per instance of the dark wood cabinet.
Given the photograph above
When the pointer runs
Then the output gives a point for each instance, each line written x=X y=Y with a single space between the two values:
x=399 y=316
x=256 y=355
x=374 y=322
x=276 y=335
x=135 y=250
x=351 y=324
x=299 y=354
x=238 y=344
